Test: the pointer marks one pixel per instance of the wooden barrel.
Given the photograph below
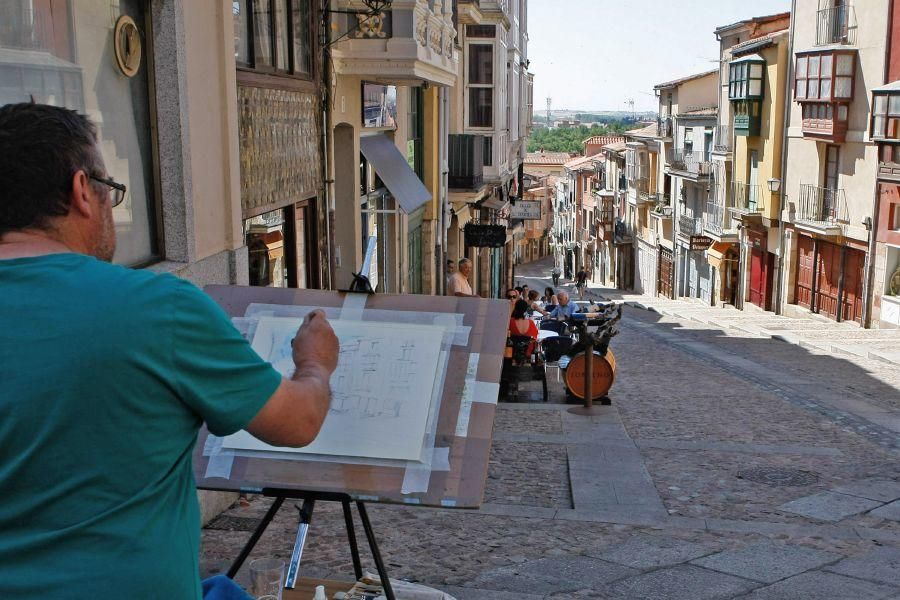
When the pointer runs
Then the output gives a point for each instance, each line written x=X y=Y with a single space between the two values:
x=604 y=374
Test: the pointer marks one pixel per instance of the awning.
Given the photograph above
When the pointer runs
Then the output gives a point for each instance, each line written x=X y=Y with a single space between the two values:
x=394 y=171
x=495 y=204
x=462 y=212
x=715 y=254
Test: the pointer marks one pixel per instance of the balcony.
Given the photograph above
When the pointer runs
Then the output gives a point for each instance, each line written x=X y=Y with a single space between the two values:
x=412 y=43
x=663 y=207
x=822 y=210
x=745 y=199
x=466 y=162
x=623 y=233
x=689 y=164
x=664 y=127
x=606 y=210
x=690 y=226
x=719 y=223
x=723 y=143
x=836 y=25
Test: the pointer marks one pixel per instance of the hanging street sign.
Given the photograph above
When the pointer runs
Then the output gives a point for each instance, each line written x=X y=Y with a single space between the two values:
x=527 y=210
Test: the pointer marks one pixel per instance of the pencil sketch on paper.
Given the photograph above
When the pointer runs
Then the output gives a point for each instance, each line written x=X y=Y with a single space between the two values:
x=381 y=390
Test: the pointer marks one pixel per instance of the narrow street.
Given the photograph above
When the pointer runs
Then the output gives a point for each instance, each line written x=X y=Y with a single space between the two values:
x=729 y=465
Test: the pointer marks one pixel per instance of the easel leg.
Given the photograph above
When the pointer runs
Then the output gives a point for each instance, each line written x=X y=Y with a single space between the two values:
x=373 y=545
x=248 y=547
x=351 y=537
x=293 y=569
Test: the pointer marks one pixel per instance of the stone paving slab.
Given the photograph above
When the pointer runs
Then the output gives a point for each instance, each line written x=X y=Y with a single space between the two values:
x=651 y=552
x=462 y=593
x=881 y=565
x=890 y=511
x=683 y=582
x=739 y=448
x=554 y=574
x=885 y=490
x=767 y=562
x=829 y=506
x=822 y=586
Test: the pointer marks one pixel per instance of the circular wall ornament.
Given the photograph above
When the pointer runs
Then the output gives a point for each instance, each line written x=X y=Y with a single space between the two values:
x=127 y=43
x=895 y=283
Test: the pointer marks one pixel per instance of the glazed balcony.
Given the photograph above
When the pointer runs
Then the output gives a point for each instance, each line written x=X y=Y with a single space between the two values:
x=664 y=127
x=466 y=162
x=414 y=41
x=821 y=209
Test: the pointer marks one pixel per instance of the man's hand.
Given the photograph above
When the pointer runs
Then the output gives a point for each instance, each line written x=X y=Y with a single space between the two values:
x=295 y=412
x=315 y=347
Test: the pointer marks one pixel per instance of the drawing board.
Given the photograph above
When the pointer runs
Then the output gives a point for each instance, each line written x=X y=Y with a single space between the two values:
x=459 y=429
x=381 y=390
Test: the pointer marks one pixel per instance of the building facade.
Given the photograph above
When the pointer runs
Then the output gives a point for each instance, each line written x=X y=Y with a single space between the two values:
x=830 y=182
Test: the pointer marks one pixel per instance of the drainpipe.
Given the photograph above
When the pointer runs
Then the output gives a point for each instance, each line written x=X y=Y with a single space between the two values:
x=782 y=196
x=326 y=142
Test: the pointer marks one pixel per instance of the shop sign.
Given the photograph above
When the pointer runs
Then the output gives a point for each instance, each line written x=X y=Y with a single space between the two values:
x=529 y=211
x=485 y=236
x=700 y=242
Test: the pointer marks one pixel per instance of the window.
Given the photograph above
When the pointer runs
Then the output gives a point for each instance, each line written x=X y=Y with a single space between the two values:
x=488 y=151
x=746 y=79
x=825 y=76
x=886 y=116
x=61 y=53
x=481 y=85
x=481 y=31
x=414 y=132
x=688 y=140
x=379 y=105
x=273 y=36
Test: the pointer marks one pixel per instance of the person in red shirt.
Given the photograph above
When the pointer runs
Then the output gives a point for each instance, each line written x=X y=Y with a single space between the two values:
x=520 y=324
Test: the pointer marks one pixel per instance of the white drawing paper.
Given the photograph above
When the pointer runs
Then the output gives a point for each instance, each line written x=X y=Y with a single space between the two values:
x=381 y=390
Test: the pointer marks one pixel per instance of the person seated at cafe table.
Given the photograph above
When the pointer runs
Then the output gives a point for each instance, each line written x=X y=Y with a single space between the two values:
x=513 y=296
x=550 y=298
x=534 y=301
x=520 y=324
x=566 y=309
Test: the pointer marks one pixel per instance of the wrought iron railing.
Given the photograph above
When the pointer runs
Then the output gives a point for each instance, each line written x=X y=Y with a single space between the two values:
x=716 y=218
x=691 y=162
x=690 y=225
x=836 y=25
x=746 y=198
x=822 y=205
x=723 y=138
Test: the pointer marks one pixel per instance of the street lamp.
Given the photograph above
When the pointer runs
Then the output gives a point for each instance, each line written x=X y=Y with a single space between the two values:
x=774 y=185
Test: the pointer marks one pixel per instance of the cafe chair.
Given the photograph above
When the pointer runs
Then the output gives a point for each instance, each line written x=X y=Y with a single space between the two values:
x=555 y=348
x=557 y=327
x=525 y=363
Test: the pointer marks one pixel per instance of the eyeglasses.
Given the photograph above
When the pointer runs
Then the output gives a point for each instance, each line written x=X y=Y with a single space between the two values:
x=117 y=190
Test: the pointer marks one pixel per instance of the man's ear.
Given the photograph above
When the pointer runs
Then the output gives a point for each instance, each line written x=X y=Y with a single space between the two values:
x=80 y=196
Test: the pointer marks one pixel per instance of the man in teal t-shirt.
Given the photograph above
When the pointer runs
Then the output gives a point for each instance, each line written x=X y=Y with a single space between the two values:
x=107 y=374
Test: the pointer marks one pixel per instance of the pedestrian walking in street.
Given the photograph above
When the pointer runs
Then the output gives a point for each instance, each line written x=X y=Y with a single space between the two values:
x=108 y=374
x=555 y=273
x=581 y=282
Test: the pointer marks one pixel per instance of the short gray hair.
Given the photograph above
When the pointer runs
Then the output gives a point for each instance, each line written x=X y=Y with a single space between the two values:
x=463 y=261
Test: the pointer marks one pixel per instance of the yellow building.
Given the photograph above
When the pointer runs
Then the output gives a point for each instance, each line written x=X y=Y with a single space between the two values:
x=742 y=215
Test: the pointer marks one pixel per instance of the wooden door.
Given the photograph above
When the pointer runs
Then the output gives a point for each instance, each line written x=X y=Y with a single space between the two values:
x=803 y=288
x=828 y=277
x=758 y=277
x=666 y=273
x=851 y=304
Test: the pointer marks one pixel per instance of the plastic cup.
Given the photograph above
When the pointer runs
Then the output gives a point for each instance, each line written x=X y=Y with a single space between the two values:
x=266 y=578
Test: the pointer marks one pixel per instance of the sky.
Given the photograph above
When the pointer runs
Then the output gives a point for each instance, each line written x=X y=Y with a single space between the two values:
x=597 y=54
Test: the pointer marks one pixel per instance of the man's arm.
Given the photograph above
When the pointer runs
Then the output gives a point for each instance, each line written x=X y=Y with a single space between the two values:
x=456 y=291
x=294 y=414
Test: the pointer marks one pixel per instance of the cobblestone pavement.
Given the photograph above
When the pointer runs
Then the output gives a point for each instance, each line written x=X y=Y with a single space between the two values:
x=730 y=465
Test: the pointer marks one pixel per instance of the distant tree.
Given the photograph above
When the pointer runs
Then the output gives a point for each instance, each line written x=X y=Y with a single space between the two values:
x=570 y=139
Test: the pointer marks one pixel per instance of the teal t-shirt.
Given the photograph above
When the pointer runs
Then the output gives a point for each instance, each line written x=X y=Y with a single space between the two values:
x=106 y=375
